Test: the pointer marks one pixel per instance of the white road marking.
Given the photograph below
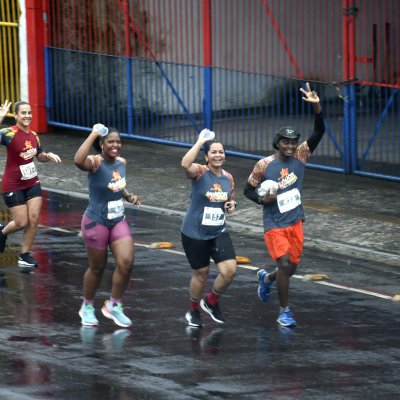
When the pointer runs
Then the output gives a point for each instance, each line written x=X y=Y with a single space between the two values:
x=325 y=283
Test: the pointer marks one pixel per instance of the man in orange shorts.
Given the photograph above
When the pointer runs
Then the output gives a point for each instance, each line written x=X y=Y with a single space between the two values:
x=283 y=213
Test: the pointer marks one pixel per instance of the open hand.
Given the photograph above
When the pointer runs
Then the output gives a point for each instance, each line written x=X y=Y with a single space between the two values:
x=309 y=95
x=53 y=157
x=4 y=108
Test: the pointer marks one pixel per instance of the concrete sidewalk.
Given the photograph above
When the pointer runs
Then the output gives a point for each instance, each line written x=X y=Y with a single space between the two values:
x=346 y=215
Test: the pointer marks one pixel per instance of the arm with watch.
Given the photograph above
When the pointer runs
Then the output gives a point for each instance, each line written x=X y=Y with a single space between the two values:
x=131 y=198
x=45 y=157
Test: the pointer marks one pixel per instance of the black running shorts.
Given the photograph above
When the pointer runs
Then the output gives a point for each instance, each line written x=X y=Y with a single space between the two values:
x=199 y=252
x=20 y=197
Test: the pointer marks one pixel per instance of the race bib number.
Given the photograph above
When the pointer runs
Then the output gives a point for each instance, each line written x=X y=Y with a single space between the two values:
x=213 y=216
x=288 y=200
x=28 y=171
x=115 y=209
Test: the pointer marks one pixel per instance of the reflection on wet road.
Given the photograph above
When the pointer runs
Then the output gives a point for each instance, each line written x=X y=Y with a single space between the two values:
x=346 y=345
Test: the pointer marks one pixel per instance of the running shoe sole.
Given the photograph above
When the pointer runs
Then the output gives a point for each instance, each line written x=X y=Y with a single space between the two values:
x=287 y=325
x=22 y=264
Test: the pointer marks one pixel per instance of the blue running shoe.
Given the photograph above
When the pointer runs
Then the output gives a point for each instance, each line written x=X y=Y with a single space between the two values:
x=286 y=318
x=264 y=289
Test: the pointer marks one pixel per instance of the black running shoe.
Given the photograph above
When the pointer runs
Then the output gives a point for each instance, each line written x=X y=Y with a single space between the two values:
x=214 y=311
x=25 y=260
x=3 y=239
x=194 y=318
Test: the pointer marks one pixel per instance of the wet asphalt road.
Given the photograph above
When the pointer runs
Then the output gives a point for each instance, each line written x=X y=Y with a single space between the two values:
x=346 y=345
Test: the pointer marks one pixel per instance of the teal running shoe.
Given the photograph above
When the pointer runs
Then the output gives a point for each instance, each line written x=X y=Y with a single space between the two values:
x=116 y=313
x=87 y=315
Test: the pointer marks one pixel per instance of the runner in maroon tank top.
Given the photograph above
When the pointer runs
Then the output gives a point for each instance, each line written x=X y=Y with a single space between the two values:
x=20 y=184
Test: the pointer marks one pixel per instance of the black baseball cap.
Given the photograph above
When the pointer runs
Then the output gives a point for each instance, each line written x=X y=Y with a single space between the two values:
x=287 y=132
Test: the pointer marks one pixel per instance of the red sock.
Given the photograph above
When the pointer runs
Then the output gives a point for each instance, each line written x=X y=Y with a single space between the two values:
x=194 y=305
x=213 y=298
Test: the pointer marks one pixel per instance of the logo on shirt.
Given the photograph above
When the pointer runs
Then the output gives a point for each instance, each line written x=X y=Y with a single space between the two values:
x=285 y=179
x=117 y=183
x=284 y=172
x=215 y=193
x=28 y=151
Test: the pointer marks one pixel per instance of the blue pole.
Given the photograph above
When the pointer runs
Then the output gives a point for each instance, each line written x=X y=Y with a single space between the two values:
x=207 y=102
x=48 y=99
x=353 y=129
x=347 y=151
x=129 y=90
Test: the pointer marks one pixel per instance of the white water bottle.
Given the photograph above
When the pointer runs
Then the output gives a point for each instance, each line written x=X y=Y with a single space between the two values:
x=100 y=128
x=207 y=134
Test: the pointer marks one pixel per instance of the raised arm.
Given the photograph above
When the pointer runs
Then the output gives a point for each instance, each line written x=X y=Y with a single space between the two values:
x=319 y=126
x=81 y=159
x=187 y=163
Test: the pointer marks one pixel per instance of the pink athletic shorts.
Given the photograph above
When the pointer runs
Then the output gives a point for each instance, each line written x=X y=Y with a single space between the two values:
x=98 y=236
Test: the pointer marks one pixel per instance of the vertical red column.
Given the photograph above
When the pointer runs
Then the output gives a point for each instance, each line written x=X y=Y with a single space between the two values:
x=207 y=62
x=206 y=25
x=349 y=57
x=35 y=32
x=345 y=39
x=352 y=46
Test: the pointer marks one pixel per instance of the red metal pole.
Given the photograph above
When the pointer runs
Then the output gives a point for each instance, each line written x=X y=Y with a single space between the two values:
x=345 y=40
x=35 y=34
x=127 y=30
x=206 y=24
x=352 y=46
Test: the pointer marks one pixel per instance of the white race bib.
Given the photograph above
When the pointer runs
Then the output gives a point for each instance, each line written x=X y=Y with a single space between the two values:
x=28 y=171
x=288 y=200
x=115 y=209
x=213 y=216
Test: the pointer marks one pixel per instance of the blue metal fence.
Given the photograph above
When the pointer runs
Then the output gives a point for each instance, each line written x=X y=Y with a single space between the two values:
x=375 y=152
x=362 y=122
x=171 y=106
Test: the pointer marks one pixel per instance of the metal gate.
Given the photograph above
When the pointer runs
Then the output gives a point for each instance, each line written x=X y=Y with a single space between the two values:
x=9 y=51
x=160 y=70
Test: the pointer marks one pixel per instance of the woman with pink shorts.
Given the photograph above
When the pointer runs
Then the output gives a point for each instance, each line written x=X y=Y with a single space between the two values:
x=104 y=225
